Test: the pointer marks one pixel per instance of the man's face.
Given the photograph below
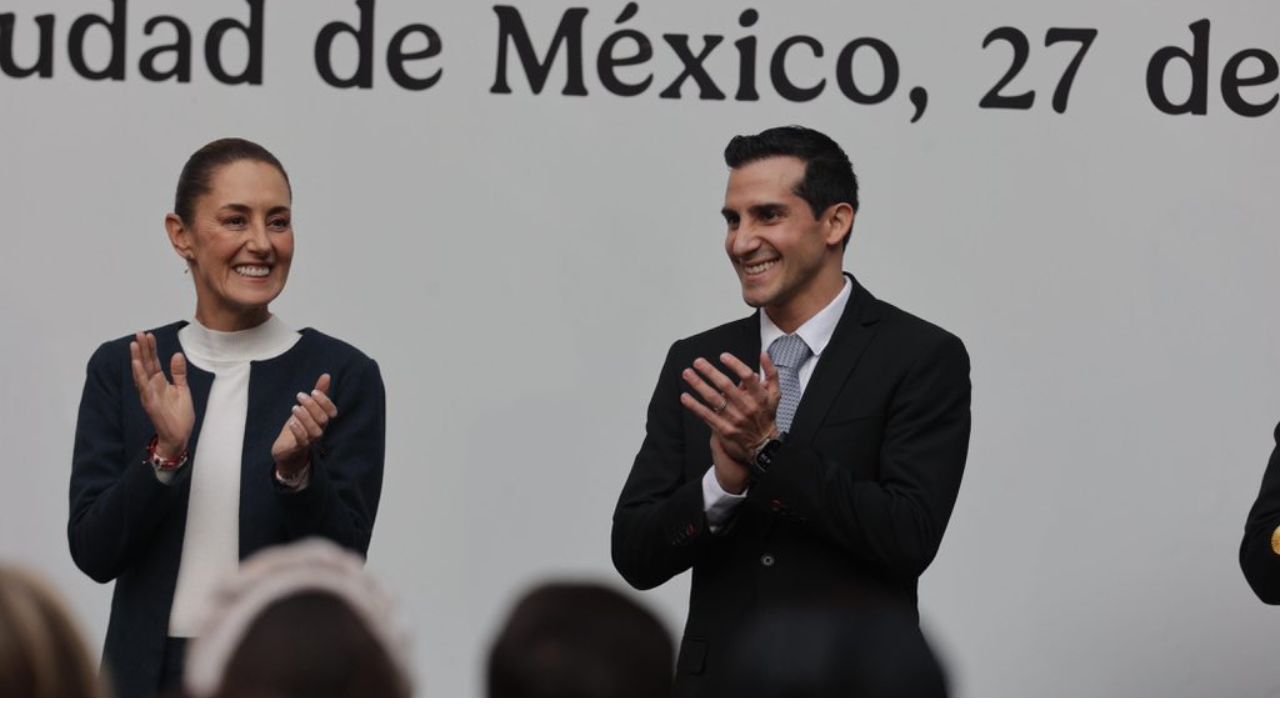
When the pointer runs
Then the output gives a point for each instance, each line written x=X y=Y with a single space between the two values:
x=778 y=248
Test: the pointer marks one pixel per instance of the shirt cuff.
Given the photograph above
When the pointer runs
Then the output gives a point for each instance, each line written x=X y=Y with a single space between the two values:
x=717 y=503
x=298 y=482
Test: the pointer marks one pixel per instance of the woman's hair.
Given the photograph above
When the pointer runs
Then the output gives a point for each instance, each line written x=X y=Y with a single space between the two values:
x=311 y=644
x=197 y=175
x=300 y=620
x=42 y=653
x=568 y=639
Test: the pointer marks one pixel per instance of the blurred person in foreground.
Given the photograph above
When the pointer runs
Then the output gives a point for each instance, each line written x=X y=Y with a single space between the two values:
x=300 y=620
x=205 y=440
x=580 y=640
x=829 y=650
x=42 y=651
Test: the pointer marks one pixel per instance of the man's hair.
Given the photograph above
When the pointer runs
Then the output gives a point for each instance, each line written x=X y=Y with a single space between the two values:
x=828 y=174
x=42 y=652
x=580 y=640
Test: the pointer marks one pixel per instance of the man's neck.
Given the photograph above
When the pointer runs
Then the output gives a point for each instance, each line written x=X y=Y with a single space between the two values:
x=789 y=316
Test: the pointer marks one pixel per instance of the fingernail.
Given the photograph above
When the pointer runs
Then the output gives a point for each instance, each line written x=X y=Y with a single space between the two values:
x=315 y=393
x=302 y=396
x=296 y=408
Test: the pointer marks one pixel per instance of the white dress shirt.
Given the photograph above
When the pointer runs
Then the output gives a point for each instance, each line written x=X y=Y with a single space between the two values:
x=816 y=333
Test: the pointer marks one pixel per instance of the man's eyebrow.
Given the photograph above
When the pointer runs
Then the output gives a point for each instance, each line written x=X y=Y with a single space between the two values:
x=772 y=208
x=728 y=214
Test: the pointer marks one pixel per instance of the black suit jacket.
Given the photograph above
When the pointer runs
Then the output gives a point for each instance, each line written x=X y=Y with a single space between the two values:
x=126 y=526
x=856 y=502
x=1260 y=563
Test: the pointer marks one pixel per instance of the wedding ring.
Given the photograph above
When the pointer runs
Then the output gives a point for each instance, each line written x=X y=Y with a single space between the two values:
x=723 y=405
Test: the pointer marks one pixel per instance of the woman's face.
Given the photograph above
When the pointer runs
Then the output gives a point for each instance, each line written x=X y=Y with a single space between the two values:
x=239 y=244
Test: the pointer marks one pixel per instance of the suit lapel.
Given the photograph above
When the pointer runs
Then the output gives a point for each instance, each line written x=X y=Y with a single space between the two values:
x=744 y=344
x=854 y=331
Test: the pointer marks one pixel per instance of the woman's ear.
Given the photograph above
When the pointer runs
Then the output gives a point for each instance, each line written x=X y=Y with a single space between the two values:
x=178 y=236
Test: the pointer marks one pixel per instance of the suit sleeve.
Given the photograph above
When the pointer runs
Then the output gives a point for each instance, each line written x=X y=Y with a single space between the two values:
x=895 y=521
x=1259 y=562
x=116 y=501
x=341 y=500
x=659 y=522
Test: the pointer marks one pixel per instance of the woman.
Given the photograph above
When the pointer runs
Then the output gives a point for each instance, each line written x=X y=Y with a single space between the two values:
x=259 y=435
x=42 y=652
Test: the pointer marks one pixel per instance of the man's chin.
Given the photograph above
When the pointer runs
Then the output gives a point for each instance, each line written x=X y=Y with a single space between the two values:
x=755 y=299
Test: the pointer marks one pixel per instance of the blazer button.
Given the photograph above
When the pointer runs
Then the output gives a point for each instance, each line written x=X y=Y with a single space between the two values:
x=766 y=560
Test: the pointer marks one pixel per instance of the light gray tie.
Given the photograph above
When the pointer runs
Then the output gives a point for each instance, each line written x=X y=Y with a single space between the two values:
x=788 y=352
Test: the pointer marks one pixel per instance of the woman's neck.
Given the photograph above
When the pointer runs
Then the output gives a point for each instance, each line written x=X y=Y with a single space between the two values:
x=231 y=320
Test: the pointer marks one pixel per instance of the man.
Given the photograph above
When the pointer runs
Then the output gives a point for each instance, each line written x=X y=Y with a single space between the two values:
x=1260 y=548
x=830 y=467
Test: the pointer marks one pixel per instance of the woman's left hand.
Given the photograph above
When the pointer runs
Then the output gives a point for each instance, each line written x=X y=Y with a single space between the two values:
x=311 y=415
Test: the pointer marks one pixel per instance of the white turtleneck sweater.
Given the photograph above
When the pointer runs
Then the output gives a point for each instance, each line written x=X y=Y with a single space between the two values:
x=211 y=545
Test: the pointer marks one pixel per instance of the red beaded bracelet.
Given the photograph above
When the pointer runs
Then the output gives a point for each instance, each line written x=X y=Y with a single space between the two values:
x=162 y=464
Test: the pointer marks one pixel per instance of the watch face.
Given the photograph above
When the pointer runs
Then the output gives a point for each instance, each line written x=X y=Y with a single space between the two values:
x=764 y=458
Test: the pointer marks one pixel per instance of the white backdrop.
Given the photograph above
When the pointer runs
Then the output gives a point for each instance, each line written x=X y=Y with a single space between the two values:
x=519 y=264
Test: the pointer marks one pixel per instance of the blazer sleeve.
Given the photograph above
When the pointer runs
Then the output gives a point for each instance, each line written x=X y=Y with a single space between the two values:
x=116 y=501
x=659 y=523
x=341 y=498
x=1259 y=562
x=895 y=521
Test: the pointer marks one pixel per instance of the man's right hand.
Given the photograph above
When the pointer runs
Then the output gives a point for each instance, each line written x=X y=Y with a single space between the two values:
x=168 y=405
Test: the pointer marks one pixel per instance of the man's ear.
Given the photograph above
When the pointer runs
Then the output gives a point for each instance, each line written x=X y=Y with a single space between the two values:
x=179 y=238
x=839 y=221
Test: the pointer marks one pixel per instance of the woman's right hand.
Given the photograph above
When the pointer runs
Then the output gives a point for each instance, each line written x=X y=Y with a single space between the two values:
x=167 y=404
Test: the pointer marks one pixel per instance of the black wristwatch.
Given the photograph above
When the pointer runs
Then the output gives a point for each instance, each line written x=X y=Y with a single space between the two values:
x=764 y=454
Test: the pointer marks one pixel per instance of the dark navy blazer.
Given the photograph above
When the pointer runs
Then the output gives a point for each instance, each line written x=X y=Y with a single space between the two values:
x=127 y=526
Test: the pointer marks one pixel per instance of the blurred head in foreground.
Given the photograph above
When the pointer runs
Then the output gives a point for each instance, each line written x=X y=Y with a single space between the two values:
x=300 y=620
x=42 y=652
x=580 y=640
x=835 y=651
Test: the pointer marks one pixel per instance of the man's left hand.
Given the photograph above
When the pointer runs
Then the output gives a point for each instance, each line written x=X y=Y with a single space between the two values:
x=740 y=414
